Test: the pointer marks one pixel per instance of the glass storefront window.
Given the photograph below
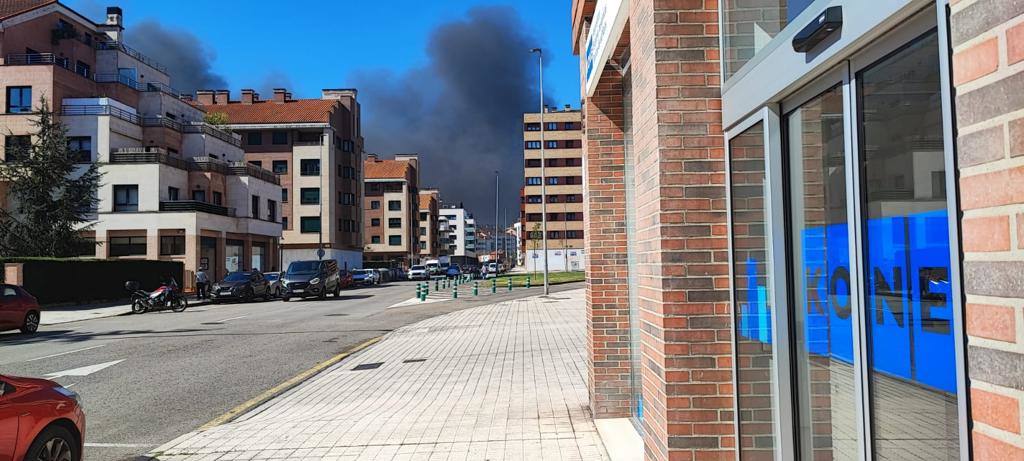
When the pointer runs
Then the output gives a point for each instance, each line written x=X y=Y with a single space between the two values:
x=820 y=250
x=629 y=181
x=752 y=295
x=749 y=25
x=908 y=305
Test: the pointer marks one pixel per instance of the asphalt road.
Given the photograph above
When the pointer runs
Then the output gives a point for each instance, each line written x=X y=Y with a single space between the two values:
x=150 y=378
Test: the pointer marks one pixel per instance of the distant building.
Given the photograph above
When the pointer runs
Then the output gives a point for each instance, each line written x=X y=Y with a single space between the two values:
x=459 y=229
x=315 y=146
x=561 y=180
x=391 y=218
x=429 y=242
x=173 y=187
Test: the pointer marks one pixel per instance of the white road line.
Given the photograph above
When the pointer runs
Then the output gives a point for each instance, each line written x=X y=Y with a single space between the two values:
x=69 y=385
x=118 y=445
x=64 y=353
x=232 y=318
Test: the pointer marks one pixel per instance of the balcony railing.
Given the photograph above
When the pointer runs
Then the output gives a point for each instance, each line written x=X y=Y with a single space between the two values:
x=194 y=205
x=207 y=129
x=153 y=154
x=112 y=45
x=138 y=86
x=28 y=59
x=148 y=155
x=160 y=120
x=248 y=169
x=101 y=110
x=210 y=164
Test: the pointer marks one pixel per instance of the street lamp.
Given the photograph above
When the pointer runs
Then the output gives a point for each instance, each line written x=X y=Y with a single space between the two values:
x=543 y=178
x=495 y=219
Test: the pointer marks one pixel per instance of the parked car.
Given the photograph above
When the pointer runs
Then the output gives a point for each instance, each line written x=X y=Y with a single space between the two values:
x=453 y=271
x=276 y=285
x=305 y=279
x=364 y=277
x=242 y=286
x=433 y=268
x=39 y=420
x=18 y=309
x=385 y=275
x=345 y=279
x=419 y=273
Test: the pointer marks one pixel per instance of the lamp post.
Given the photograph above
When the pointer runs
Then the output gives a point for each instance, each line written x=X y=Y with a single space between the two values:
x=495 y=236
x=543 y=178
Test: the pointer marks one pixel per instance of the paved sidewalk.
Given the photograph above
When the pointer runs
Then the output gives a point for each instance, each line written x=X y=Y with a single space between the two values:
x=502 y=381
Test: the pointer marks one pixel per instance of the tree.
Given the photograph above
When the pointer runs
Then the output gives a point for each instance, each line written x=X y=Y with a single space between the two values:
x=49 y=195
x=217 y=119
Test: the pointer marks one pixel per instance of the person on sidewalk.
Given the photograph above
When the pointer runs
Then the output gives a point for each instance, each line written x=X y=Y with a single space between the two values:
x=202 y=284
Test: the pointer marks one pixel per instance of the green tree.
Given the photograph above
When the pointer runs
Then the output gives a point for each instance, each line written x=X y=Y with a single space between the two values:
x=49 y=195
x=217 y=119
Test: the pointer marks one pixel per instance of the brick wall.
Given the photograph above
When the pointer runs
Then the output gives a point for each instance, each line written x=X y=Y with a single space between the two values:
x=988 y=71
x=681 y=230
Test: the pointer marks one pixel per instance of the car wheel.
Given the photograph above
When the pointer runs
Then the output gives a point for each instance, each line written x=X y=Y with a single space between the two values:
x=55 y=443
x=247 y=297
x=337 y=290
x=285 y=299
x=31 y=323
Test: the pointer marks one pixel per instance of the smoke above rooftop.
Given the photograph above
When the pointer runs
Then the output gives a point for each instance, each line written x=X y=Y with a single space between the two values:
x=462 y=111
x=188 y=60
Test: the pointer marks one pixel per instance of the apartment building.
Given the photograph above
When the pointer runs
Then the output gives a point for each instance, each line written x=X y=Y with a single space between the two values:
x=458 y=227
x=391 y=217
x=554 y=139
x=430 y=244
x=804 y=226
x=315 y=147
x=173 y=187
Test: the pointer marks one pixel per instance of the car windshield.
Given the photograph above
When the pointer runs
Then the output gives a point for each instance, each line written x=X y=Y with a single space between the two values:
x=238 y=277
x=303 y=267
x=417 y=268
x=272 y=277
x=360 y=272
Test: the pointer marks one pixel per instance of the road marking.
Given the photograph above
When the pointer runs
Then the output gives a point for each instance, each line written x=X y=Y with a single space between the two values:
x=285 y=386
x=83 y=371
x=232 y=318
x=69 y=385
x=117 y=445
x=64 y=353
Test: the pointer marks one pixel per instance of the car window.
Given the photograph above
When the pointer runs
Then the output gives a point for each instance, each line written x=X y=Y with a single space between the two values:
x=272 y=277
x=10 y=292
x=236 y=277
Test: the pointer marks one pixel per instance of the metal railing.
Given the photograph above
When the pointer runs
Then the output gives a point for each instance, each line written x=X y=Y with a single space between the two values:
x=210 y=164
x=195 y=205
x=160 y=120
x=28 y=59
x=248 y=169
x=118 y=78
x=206 y=128
x=318 y=142
x=112 y=45
x=148 y=155
x=101 y=110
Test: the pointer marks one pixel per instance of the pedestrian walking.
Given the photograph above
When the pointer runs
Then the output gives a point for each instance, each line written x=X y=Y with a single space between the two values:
x=202 y=284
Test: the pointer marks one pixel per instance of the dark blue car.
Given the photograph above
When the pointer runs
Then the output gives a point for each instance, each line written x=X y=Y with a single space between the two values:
x=453 y=271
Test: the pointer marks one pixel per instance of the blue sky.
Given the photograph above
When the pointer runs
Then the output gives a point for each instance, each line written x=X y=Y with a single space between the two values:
x=318 y=44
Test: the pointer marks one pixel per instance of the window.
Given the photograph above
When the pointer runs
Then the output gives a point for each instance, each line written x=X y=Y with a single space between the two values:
x=394 y=223
x=395 y=240
x=127 y=246
x=572 y=217
x=172 y=245
x=533 y=199
x=533 y=181
x=173 y=193
x=346 y=198
x=309 y=167
x=279 y=137
x=255 y=206
x=552 y=126
x=309 y=195
x=534 y=217
x=570 y=126
x=374 y=222
x=254 y=138
x=271 y=210
x=199 y=195
x=16 y=148
x=533 y=144
x=218 y=198
x=423 y=216
x=258 y=163
x=394 y=205
x=553 y=180
x=571 y=234
x=126 y=198
x=554 y=235
x=19 y=99
x=347 y=146
x=375 y=204
x=554 y=198
x=573 y=198
x=423 y=245
x=80 y=148
x=533 y=163
x=284 y=195
x=308 y=137
x=423 y=231
x=284 y=222
x=279 y=166
x=551 y=144
x=375 y=239
x=309 y=224
x=532 y=127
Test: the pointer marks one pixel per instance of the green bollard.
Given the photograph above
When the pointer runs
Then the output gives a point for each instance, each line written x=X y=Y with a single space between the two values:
x=476 y=288
x=509 y=283
x=423 y=296
x=455 y=293
x=527 y=281
x=494 y=285
x=418 y=290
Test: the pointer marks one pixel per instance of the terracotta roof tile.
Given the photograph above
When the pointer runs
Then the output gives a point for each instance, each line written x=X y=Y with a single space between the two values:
x=9 y=8
x=385 y=169
x=294 y=111
x=425 y=201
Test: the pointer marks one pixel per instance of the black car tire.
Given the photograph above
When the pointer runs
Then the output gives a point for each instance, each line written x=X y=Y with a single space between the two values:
x=31 y=323
x=247 y=295
x=337 y=290
x=286 y=298
x=55 y=443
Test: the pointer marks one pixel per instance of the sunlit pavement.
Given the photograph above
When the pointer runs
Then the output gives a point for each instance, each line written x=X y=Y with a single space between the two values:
x=501 y=381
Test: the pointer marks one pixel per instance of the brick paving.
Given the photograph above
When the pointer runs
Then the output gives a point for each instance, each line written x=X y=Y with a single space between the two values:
x=502 y=381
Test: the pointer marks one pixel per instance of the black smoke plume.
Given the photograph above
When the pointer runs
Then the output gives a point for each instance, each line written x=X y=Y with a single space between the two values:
x=462 y=111
x=187 y=60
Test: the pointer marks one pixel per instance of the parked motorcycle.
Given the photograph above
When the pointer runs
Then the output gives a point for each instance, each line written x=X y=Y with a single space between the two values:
x=167 y=296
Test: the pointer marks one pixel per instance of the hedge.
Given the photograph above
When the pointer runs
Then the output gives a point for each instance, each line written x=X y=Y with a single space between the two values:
x=55 y=280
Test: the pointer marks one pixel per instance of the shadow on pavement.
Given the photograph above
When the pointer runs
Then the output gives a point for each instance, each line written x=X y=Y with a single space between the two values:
x=71 y=336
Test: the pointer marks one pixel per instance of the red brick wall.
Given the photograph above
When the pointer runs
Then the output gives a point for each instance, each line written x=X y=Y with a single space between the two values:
x=988 y=71
x=681 y=230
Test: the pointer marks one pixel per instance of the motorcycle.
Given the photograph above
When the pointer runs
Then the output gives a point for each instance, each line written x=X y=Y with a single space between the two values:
x=167 y=296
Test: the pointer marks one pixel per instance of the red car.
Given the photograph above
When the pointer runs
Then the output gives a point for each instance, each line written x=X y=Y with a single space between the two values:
x=18 y=309
x=345 y=279
x=39 y=421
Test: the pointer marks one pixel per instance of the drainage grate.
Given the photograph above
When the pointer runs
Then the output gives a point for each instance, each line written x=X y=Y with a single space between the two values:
x=367 y=366
x=414 y=360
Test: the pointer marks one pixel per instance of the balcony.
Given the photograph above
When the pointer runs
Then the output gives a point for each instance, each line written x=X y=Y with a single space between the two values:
x=196 y=206
x=147 y=155
x=31 y=59
x=101 y=110
x=153 y=154
x=138 y=86
x=207 y=129
x=248 y=169
x=159 y=120
x=112 y=45
x=210 y=164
